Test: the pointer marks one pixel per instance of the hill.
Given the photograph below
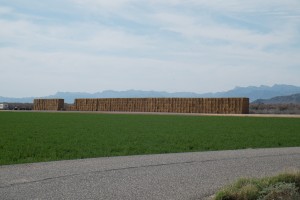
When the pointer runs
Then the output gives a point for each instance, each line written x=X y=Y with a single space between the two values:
x=252 y=92
x=290 y=99
x=261 y=92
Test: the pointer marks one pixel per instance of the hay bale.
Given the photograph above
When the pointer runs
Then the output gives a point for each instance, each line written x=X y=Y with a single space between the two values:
x=175 y=105
x=48 y=104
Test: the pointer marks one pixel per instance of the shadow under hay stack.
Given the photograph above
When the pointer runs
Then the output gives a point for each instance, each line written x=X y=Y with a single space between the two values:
x=172 y=105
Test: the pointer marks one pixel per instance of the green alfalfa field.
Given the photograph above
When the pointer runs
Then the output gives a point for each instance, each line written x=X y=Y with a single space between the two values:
x=41 y=136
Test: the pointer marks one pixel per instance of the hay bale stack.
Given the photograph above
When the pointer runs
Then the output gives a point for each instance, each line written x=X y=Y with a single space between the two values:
x=86 y=104
x=104 y=105
x=72 y=108
x=80 y=104
x=148 y=106
x=175 y=105
x=233 y=106
x=48 y=104
x=245 y=106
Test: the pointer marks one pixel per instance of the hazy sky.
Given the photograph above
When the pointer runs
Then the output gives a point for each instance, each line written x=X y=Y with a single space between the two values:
x=167 y=45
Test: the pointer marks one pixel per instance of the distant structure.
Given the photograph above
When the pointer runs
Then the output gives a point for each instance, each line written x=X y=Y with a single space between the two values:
x=3 y=106
x=48 y=104
x=172 y=105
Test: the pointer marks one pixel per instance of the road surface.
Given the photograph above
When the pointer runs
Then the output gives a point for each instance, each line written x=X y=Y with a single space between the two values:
x=164 y=176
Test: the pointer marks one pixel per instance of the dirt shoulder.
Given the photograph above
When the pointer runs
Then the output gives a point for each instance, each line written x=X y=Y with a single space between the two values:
x=165 y=113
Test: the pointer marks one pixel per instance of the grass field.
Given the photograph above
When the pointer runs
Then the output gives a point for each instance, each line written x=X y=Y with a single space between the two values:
x=34 y=137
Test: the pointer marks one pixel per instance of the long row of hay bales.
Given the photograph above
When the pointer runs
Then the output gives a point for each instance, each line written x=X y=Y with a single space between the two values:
x=48 y=104
x=173 y=105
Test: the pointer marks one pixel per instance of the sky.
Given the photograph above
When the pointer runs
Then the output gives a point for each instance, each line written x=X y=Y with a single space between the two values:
x=171 y=45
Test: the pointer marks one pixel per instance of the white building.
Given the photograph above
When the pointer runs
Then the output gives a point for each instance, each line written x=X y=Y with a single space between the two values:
x=3 y=106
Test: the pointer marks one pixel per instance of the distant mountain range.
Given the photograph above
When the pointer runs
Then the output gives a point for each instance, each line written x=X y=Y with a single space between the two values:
x=290 y=99
x=252 y=92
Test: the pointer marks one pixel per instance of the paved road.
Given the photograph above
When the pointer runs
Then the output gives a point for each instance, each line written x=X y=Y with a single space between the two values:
x=168 y=176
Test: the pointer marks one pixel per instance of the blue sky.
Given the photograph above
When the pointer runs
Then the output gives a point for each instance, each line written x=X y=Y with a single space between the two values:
x=171 y=45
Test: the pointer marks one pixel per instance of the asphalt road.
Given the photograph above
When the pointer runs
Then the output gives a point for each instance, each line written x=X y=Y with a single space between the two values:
x=164 y=176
